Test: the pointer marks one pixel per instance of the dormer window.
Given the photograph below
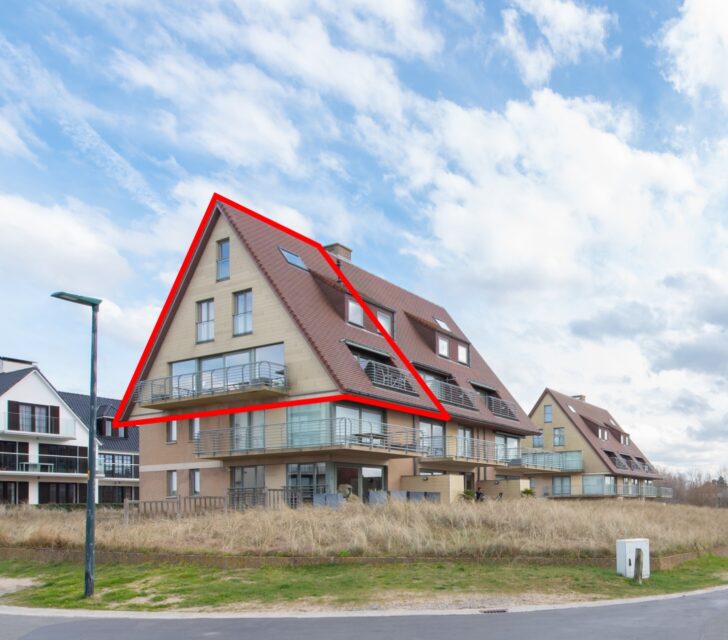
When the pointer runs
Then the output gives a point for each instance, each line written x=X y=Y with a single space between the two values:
x=442 y=324
x=463 y=354
x=443 y=347
x=385 y=319
x=624 y=439
x=354 y=312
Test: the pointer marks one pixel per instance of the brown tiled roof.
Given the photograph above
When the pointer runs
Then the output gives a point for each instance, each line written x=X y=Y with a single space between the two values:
x=587 y=418
x=320 y=315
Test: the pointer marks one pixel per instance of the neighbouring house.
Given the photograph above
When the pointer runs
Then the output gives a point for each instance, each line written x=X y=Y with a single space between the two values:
x=43 y=442
x=261 y=317
x=118 y=449
x=613 y=465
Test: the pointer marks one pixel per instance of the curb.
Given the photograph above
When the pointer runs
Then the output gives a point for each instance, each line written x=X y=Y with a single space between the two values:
x=188 y=615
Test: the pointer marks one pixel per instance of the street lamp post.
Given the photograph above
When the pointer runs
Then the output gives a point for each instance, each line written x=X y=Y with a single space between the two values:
x=91 y=487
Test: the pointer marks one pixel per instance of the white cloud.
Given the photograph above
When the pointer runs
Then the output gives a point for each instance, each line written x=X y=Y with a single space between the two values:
x=131 y=325
x=568 y=31
x=696 y=47
x=63 y=246
x=10 y=141
x=233 y=113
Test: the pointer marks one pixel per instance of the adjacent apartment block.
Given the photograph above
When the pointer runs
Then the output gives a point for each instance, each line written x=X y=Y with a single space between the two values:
x=117 y=449
x=613 y=464
x=260 y=317
x=44 y=443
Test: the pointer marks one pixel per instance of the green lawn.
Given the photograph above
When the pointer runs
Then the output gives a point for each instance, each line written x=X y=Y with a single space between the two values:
x=146 y=587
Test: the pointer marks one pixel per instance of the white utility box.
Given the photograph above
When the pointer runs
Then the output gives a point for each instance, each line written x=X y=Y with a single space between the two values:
x=626 y=552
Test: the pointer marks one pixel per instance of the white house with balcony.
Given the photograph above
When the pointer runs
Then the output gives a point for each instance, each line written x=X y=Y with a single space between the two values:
x=43 y=443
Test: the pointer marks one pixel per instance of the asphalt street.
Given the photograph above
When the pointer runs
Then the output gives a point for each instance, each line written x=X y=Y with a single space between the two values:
x=699 y=617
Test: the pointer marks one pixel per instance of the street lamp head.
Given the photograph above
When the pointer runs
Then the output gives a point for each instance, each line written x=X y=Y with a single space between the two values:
x=73 y=297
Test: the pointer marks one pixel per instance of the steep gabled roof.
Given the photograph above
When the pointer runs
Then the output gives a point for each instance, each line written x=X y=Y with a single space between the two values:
x=105 y=407
x=11 y=378
x=587 y=417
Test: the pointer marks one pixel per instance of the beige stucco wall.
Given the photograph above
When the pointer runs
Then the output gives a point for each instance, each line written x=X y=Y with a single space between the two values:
x=509 y=488
x=449 y=486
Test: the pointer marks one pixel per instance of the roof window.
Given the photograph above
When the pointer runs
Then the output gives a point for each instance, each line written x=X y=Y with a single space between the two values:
x=293 y=258
x=442 y=324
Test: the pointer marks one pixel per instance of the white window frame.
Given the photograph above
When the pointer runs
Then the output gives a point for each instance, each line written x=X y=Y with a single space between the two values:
x=463 y=349
x=171 y=432
x=386 y=319
x=443 y=341
x=354 y=312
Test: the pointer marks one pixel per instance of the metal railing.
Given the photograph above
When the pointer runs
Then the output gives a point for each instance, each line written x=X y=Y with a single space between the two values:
x=454 y=394
x=239 y=499
x=17 y=424
x=618 y=462
x=18 y=462
x=176 y=507
x=483 y=451
x=205 y=330
x=502 y=408
x=384 y=375
x=127 y=471
x=240 y=377
x=342 y=432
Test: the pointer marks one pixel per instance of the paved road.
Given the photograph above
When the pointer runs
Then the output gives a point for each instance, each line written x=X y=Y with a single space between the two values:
x=697 y=617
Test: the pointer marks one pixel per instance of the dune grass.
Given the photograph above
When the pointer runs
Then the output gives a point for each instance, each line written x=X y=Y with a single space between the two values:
x=490 y=529
x=445 y=584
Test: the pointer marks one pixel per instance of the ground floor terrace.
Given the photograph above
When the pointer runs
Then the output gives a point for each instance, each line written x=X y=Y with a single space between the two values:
x=328 y=448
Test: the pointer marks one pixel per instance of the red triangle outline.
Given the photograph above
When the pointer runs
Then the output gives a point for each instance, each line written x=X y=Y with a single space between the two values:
x=216 y=197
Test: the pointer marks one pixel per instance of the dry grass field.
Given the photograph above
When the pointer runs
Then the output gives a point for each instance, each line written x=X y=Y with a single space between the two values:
x=491 y=529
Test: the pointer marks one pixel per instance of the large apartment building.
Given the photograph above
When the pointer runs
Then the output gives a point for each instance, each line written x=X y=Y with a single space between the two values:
x=613 y=465
x=261 y=319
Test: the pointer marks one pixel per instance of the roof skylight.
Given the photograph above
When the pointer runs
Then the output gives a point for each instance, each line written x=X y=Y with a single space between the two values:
x=572 y=408
x=442 y=324
x=293 y=258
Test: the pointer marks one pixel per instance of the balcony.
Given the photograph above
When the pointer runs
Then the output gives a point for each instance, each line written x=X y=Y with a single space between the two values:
x=384 y=375
x=369 y=438
x=454 y=395
x=469 y=451
x=51 y=465
x=257 y=380
x=51 y=429
x=666 y=493
x=502 y=408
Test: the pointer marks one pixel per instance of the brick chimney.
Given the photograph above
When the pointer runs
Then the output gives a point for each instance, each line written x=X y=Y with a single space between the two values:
x=339 y=250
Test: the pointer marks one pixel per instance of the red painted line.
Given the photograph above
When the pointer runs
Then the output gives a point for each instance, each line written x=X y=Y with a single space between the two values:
x=118 y=422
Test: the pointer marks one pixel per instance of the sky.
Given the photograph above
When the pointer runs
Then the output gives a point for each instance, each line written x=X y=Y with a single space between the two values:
x=551 y=171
